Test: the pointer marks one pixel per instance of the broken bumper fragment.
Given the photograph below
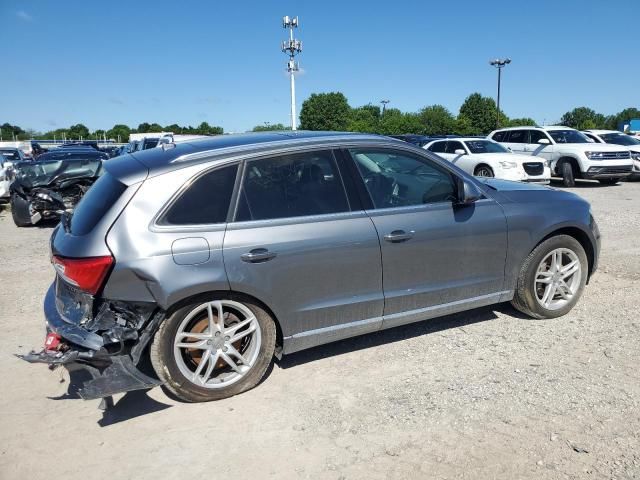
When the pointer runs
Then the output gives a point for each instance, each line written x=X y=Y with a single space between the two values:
x=80 y=348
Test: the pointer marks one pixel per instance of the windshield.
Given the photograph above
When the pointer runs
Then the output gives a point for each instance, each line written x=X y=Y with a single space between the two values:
x=568 y=136
x=485 y=146
x=43 y=173
x=620 y=139
x=10 y=155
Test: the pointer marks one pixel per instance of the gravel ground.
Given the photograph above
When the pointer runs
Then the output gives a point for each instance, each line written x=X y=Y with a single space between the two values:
x=483 y=394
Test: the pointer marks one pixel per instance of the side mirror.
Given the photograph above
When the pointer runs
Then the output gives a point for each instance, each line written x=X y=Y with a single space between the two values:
x=460 y=151
x=468 y=193
x=544 y=141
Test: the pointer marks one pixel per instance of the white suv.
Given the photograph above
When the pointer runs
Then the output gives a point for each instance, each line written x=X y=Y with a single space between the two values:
x=618 y=138
x=570 y=153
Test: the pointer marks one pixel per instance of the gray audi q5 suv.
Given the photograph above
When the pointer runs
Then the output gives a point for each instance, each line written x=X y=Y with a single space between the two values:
x=213 y=256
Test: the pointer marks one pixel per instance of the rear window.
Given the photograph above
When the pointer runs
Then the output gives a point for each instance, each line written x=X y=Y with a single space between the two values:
x=96 y=203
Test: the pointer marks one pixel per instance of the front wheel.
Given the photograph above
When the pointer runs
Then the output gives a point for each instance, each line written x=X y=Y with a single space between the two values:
x=483 y=171
x=213 y=349
x=552 y=278
x=20 y=211
x=568 y=176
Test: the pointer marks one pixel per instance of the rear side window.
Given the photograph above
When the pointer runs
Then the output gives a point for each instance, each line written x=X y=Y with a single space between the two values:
x=96 y=203
x=499 y=136
x=295 y=185
x=204 y=202
x=519 y=136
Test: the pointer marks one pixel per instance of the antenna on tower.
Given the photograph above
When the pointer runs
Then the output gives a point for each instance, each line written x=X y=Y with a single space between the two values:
x=292 y=47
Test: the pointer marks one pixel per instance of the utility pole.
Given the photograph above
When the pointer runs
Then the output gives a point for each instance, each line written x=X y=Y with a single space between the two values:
x=292 y=47
x=384 y=106
x=499 y=63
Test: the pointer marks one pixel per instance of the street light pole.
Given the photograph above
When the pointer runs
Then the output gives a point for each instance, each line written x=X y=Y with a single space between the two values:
x=384 y=106
x=292 y=47
x=499 y=64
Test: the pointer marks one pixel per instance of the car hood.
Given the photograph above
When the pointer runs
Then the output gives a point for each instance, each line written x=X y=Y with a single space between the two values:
x=506 y=157
x=527 y=193
x=510 y=186
x=592 y=147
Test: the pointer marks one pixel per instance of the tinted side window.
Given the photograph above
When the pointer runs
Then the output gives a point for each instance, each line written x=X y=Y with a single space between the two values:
x=518 y=136
x=397 y=179
x=296 y=185
x=535 y=135
x=438 y=147
x=206 y=201
x=453 y=146
x=499 y=136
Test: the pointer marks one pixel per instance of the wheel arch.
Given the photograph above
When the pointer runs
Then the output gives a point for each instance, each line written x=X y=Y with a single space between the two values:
x=231 y=295
x=581 y=236
x=573 y=161
x=484 y=164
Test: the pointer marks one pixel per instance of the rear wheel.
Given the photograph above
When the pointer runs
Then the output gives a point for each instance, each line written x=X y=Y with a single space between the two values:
x=214 y=349
x=483 y=171
x=609 y=181
x=20 y=211
x=552 y=278
x=568 y=175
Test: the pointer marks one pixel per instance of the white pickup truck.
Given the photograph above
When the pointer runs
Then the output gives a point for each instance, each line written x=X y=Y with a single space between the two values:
x=570 y=153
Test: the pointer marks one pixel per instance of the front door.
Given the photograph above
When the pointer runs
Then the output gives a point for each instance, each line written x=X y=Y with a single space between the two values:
x=298 y=245
x=437 y=257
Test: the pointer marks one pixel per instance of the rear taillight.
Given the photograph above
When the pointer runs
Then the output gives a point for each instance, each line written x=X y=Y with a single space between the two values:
x=87 y=274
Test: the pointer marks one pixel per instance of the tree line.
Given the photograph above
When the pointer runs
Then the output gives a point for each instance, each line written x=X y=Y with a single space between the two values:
x=477 y=116
x=331 y=111
x=118 y=132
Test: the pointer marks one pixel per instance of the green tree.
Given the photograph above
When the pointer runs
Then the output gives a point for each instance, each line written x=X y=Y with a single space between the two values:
x=173 y=128
x=395 y=122
x=325 y=111
x=119 y=131
x=582 y=118
x=437 y=120
x=613 y=121
x=9 y=132
x=270 y=127
x=522 y=122
x=365 y=119
x=480 y=112
x=144 y=127
x=77 y=131
x=205 y=129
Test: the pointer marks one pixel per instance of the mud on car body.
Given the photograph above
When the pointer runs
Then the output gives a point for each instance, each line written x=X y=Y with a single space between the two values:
x=213 y=256
x=45 y=189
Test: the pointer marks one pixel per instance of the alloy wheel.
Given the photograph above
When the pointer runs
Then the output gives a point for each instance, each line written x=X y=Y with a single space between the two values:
x=558 y=278
x=217 y=344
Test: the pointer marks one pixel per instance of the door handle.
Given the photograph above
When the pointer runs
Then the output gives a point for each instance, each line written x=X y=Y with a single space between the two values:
x=399 y=236
x=258 y=255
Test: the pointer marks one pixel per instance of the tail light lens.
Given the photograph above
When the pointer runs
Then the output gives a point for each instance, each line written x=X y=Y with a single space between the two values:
x=87 y=274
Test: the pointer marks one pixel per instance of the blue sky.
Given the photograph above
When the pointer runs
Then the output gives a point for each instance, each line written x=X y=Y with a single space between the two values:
x=66 y=62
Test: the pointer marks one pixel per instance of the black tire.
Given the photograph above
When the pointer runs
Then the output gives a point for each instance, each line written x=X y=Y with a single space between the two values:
x=568 y=175
x=20 y=211
x=165 y=365
x=609 y=181
x=525 y=298
x=483 y=171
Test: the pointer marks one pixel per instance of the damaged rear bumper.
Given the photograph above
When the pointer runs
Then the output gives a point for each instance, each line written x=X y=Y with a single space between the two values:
x=83 y=349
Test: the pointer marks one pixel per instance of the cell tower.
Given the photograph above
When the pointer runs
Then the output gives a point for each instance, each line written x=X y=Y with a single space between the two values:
x=292 y=47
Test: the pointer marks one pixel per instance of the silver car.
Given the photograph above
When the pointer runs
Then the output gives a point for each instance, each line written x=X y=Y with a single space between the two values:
x=213 y=256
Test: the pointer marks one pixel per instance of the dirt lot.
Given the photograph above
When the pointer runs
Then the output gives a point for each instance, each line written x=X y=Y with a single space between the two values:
x=483 y=394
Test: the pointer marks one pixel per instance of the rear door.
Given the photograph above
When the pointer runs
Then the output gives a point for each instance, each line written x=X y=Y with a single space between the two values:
x=302 y=246
x=517 y=141
x=437 y=257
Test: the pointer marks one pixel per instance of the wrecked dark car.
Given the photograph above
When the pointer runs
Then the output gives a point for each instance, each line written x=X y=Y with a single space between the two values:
x=52 y=185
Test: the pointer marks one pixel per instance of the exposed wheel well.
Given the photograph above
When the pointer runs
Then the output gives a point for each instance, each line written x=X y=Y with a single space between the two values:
x=581 y=237
x=204 y=296
x=572 y=161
